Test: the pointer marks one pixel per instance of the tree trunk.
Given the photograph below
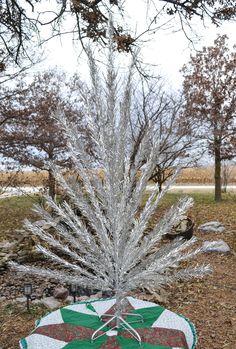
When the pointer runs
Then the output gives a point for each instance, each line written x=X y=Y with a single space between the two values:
x=51 y=184
x=157 y=177
x=225 y=177
x=217 y=174
x=160 y=185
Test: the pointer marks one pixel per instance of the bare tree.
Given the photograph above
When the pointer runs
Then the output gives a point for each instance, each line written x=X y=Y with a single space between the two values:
x=30 y=134
x=164 y=111
x=21 y=22
x=210 y=101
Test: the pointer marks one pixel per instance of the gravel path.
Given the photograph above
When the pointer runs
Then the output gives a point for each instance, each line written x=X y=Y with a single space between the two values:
x=193 y=188
x=18 y=191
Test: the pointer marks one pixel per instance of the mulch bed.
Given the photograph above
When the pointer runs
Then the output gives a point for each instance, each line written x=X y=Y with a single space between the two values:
x=210 y=303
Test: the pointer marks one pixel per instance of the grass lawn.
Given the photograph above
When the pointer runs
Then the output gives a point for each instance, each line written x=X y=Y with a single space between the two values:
x=13 y=211
x=209 y=302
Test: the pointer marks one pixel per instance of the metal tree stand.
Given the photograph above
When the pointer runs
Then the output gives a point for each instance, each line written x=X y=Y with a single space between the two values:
x=120 y=323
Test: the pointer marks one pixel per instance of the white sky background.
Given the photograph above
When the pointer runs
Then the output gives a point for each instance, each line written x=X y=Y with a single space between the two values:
x=168 y=49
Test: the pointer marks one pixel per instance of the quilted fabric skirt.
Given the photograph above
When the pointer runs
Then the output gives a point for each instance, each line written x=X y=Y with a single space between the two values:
x=71 y=327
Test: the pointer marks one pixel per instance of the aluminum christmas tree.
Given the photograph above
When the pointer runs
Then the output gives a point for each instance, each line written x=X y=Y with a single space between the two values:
x=101 y=238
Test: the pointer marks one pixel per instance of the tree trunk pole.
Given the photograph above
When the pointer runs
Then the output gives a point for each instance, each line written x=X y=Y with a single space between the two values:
x=159 y=179
x=218 y=196
x=51 y=184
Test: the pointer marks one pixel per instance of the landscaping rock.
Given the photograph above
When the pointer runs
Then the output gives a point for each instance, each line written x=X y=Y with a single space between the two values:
x=22 y=253
x=213 y=226
x=37 y=294
x=2 y=264
x=107 y=294
x=50 y=303
x=6 y=245
x=83 y=298
x=96 y=296
x=5 y=259
x=11 y=283
x=20 y=231
x=70 y=299
x=216 y=246
x=61 y=293
x=37 y=302
x=20 y=299
x=20 y=250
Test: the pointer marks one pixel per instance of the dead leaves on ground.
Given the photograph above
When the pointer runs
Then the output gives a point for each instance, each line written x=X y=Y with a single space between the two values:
x=210 y=303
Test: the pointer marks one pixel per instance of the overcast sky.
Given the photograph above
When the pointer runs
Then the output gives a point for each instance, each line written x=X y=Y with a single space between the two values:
x=168 y=48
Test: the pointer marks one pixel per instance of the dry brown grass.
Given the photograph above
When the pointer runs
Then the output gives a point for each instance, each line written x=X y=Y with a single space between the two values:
x=196 y=175
x=30 y=178
x=23 y=178
x=203 y=175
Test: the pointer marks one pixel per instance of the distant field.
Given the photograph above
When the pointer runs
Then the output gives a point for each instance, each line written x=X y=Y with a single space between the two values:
x=197 y=175
x=204 y=175
x=26 y=178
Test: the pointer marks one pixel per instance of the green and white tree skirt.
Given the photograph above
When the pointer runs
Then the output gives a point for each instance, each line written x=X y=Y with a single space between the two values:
x=72 y=327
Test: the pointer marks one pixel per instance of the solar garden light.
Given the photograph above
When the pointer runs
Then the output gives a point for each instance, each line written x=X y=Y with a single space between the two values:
x=73 y=291
x=28 y=292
